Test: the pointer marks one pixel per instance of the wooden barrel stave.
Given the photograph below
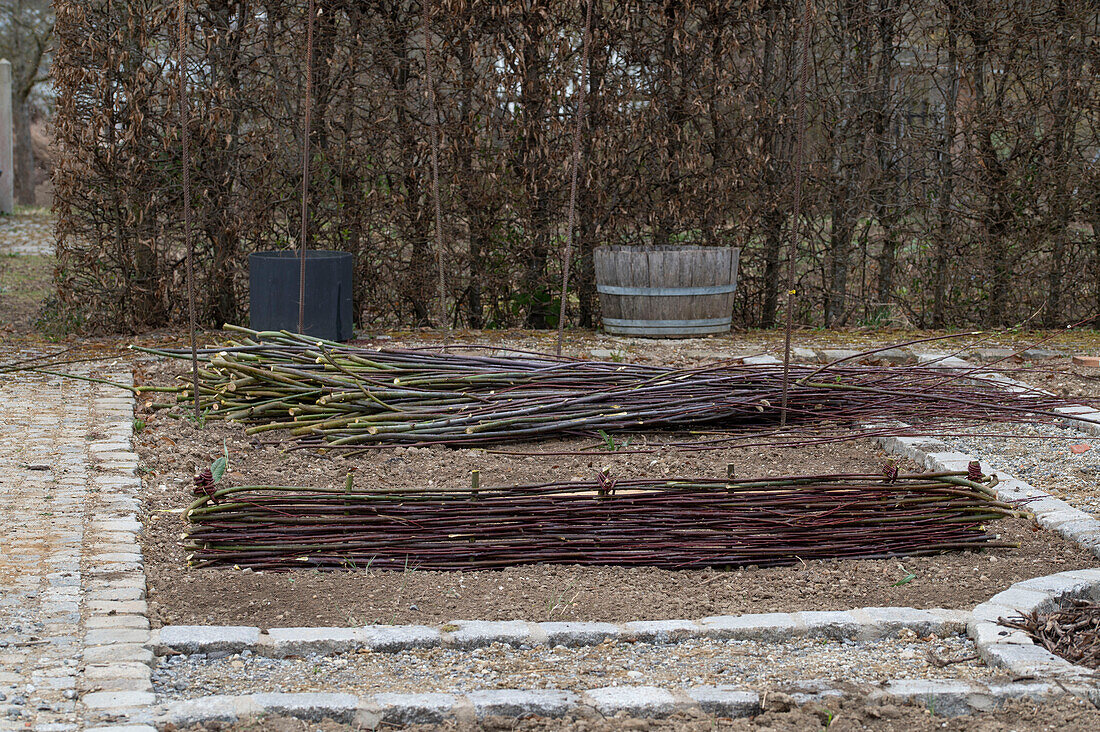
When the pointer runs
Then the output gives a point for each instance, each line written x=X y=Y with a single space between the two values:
x=666 y=291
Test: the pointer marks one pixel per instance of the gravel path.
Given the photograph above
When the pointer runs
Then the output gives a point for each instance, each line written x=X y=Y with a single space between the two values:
x=42 y=483
x=72 y=621
x=27 y=232
x=747 y=664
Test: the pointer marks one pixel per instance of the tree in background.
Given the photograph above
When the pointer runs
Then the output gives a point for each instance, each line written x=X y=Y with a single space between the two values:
x=26 y=32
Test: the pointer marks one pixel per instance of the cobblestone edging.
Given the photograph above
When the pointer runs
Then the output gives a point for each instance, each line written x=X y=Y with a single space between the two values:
x=115 y=685
x=1002 y=647
x=72 y=613
x=861 y=624
x=949 y=698
x=998 y=646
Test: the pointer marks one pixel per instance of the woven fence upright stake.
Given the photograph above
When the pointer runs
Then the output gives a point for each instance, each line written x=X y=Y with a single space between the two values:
x=306 y=124
x=800 y=146
x=189 y=239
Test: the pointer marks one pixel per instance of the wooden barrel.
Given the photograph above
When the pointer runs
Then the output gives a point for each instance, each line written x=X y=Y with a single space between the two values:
x=669 y=291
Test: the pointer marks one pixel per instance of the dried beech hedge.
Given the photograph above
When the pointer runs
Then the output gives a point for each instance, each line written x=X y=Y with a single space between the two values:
x=952 y=166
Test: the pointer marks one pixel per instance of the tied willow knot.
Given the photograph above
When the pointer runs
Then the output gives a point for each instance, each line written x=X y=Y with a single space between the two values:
x=974 y=471
x=204 y=483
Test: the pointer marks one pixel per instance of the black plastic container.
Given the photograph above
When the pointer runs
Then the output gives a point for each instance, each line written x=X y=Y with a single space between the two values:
x=273 y=292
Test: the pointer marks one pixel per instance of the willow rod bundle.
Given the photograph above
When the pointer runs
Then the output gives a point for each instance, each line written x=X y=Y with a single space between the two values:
x=334 y=395
x=673 y=524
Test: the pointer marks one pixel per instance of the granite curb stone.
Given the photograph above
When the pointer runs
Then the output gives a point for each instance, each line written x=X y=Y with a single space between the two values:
x=997 y=645
x=946 y=696
x=863 y=623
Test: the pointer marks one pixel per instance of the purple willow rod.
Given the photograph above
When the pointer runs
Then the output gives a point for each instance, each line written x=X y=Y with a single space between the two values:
x=696 y=396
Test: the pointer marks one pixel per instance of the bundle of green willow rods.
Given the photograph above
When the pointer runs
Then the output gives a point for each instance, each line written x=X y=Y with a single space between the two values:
x=329 y=394
x=672 y=524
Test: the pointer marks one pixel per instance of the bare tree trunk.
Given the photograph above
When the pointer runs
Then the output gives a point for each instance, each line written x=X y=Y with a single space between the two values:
x=847 y=140
x=533 y=169
x=945 y=198
x=24 y=153
x=1061 y=200
x=997 y=214
x=587 y=226
x=885 y=197
x=771 y=180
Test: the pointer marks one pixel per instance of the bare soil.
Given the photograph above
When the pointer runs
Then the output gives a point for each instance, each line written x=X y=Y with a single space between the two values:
x=172 y=451
x=780 y=715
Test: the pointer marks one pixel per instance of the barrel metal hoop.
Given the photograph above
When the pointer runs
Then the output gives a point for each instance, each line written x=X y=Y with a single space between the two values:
x=666 y=291
x=643 y=323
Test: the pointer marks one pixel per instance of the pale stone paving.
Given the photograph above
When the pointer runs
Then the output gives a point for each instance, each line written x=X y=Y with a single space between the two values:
x=72 y=610
x=43 y=480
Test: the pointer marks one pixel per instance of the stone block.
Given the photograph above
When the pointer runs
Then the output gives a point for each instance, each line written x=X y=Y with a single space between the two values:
x=879 y=622
x=578 y=634
x=987 y=355
x=892 y=357
x=312 y=707
x=987 y=633
x=522 y=702
x=109 y=699
x=118 y=621
x=121 y=670
x=120 y=684
x=395 y=638
x=947 y=460
x=1030 y=661
x=760 y=360
x=726 y=701
x=660 y=631
x=803 y=355
x=480 y=633
x=989 y=612
x=636 y=701
x=761 y=626
x=210 y=709
x=829 y=355
x=829 y=623
x=118 y=653
x=404 y=709
x=942 y=697
x=1055 y=519
x=117 y=607
x=1020 y=599
x=109 y=636
x=205 y=638
x=283 y=642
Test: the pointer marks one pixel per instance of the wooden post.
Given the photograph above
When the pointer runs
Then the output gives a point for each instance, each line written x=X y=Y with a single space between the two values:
x=7 y=158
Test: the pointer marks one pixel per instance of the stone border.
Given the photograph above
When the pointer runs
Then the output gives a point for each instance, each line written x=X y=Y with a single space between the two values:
x=1051 y=513
x=863 y=624
x=947 y=697
x=999 y=647
x=115 y=682
x=1002 y=647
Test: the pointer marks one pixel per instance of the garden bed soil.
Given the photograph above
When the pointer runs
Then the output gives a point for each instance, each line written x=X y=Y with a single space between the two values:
x=172 y=450
x=848 y=714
